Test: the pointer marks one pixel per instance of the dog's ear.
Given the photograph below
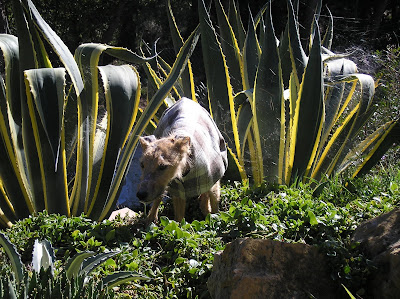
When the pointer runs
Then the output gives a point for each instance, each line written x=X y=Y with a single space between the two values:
x=145 y=141
x=182 y=143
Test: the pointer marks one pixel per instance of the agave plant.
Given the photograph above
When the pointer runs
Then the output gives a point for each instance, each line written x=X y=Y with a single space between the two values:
x=68 y=133
x=73 y=281
x=283 y=113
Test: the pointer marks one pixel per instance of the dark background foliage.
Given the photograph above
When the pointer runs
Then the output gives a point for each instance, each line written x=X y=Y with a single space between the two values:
x=124 y=22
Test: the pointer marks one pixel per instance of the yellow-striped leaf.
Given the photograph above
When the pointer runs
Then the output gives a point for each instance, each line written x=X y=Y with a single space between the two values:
x=268 y=108
x=310 y=113
x=45 y=94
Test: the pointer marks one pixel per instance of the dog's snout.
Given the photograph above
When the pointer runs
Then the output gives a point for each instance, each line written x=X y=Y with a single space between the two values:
x=142 y=195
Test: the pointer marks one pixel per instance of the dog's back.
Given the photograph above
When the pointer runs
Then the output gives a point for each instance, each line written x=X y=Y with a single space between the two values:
x=208 y=151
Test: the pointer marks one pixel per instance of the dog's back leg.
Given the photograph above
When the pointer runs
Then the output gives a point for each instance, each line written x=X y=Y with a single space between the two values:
x=209 y=201
x=179 y=208
x=204 y=202
x=215 y=194
x=153 y=213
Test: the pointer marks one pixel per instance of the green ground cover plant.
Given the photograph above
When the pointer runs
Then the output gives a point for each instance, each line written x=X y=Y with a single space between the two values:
x=177 y=257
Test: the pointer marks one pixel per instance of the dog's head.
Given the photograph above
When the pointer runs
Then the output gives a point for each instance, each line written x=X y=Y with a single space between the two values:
x=162 y=161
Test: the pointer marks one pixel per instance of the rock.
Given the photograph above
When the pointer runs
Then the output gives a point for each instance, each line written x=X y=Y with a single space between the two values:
x=379 y=239
x=255 y=268
x=125 y=212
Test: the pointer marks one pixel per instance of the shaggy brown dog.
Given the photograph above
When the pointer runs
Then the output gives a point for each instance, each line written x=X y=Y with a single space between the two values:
x=186 y=156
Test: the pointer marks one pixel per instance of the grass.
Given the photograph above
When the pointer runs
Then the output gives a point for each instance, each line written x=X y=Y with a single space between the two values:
x=178 y=257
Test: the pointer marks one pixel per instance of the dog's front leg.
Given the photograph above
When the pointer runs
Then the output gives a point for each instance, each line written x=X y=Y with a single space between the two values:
x=153 y=213
x=179 y=208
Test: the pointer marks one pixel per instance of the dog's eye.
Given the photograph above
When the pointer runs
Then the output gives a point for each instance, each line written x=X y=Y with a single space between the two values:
x=162 y=167
x=141 y=165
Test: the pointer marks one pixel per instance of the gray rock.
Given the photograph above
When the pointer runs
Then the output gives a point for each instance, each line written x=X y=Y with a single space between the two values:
x=379 y=239
x=254 y=268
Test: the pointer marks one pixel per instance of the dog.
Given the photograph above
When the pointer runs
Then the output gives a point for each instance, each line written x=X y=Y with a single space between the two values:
x=186 y=157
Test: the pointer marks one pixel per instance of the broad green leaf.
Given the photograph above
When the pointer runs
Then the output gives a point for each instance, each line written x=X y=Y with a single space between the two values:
x=333 y=98
x=14 y=257
x=259 y=16
x=292 y=127
x=236 y=23
x=59 y=47
x=87 y=57
x=254 y=155
x=314 y=25
x=10 y=51
x=45 y=94
x=122 y=93
x=363 y=96
x=220 y=93
x=118 y=278
x=4 y=221
x=74 y=264
x=177 y=40
x=310 y=111
x=374 y=147
x=269 y=108
x=328 y=37
x=30 y=47
x=47 y=88
x=235 y=171
x=245 y=115
x=297 y=54
x=12 y=171
x=284 y=54
x=93 y=261
x=178 y=90
x=338 y=96
x=30 y=56
x=251 y=55
x=230 y=48
x=331 y=153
